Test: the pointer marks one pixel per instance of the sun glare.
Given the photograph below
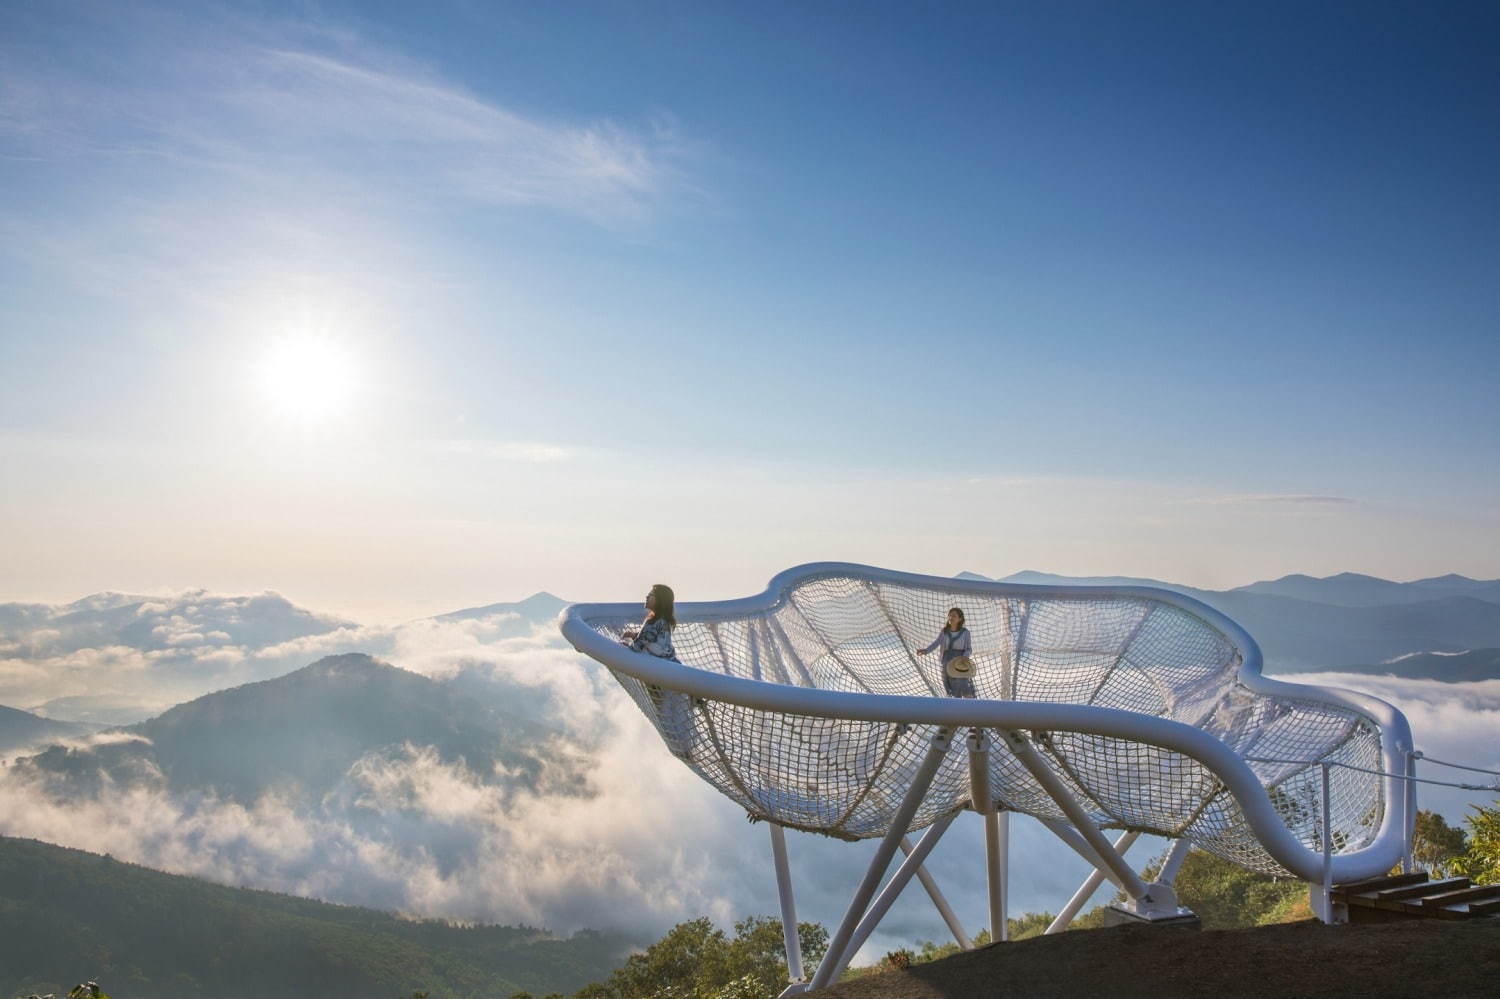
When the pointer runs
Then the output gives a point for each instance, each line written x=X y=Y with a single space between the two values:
x=309 y=378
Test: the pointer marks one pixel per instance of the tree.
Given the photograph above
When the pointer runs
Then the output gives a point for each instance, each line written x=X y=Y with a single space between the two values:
x=758 y=952
x=1481 y=863
x=1436 y=845
x=1226 y=896
x=673 y=962
x=697 y=960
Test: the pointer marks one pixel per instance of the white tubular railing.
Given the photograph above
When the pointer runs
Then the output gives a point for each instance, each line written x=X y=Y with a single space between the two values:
x=1381 y=853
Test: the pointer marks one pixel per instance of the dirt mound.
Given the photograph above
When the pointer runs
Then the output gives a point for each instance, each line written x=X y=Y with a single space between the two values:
x=1419 y=957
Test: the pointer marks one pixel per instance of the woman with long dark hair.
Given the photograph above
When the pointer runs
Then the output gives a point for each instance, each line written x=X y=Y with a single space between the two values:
x=655 y=633
x=958 y=649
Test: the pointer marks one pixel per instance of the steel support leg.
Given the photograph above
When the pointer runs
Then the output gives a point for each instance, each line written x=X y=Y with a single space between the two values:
x=1000 y=881
x=894 y=887
x=933 y=892
x=1086 y=890
x=983 y=802
x=788 y=904
x=1173 y=862
x=900 y=822
x=1134 y=887
x=1080 y=846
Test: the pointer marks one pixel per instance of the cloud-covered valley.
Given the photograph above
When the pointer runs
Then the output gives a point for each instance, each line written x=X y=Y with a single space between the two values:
x=497 y=776
x=115 y=658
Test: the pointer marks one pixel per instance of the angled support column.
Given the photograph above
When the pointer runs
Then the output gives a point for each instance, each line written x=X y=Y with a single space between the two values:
x=1080 y=846
x=788 y=905
x=935 y=893
x=1173 y=863
x=995 y=851
x=894 y=887
x=900 y=822
x=1134 y=887
x=1086 y=890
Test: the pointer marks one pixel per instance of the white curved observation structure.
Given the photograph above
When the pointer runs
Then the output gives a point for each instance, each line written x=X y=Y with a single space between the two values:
x=1128 y=708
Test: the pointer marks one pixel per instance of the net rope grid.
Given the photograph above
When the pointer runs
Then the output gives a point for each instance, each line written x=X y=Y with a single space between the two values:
x=808 y=706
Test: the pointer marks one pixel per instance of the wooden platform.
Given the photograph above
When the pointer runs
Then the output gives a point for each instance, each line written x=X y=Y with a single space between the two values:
x=1416 y=896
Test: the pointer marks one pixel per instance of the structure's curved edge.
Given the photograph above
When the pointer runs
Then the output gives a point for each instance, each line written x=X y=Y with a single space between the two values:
x=1395 y=734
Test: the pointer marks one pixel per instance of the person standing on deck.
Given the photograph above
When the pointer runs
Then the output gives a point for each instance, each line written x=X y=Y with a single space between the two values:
x=957 y=647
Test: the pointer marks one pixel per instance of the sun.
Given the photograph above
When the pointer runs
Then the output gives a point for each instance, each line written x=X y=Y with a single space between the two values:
x=309 y=378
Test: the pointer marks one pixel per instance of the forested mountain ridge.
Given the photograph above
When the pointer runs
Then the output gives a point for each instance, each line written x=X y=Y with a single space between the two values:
x=66 y=914
x=299 y=734
x=22 y=729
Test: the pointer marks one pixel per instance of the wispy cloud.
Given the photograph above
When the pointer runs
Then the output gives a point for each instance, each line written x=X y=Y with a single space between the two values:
x=224 y=170
x=441 y=139
x=261 y=99
x=532 y=452
x=1284 y=501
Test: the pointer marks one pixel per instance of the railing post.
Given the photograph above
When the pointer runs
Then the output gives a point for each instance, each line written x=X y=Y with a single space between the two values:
x=1408 y=863
x=1327 y=832
x=1325 y=909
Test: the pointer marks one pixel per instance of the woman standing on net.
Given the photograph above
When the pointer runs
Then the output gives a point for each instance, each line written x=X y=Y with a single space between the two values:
x=655 y=633
x=958 y=648
x=674 y=709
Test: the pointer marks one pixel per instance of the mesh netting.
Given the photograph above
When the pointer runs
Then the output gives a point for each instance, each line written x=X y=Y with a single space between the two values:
x=846 y=778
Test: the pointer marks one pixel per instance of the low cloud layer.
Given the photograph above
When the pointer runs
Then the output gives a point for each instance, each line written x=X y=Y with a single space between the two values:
x=115 y=658
x=1456 y=722
x=641 y=845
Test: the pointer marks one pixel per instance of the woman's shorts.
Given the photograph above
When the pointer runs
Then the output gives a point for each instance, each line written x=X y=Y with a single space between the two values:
x=959 y=686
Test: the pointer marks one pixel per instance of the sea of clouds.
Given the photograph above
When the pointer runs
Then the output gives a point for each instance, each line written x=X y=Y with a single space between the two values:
x=643 y=844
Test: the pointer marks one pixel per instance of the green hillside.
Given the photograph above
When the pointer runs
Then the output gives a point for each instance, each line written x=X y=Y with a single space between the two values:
x=66 y=915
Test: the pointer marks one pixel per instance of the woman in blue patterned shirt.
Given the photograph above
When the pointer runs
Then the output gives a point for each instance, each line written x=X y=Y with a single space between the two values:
x=655 y=634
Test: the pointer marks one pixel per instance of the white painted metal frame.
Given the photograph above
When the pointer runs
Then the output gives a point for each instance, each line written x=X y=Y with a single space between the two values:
x=938 y=900
x=1014 y=720
x=996 y=833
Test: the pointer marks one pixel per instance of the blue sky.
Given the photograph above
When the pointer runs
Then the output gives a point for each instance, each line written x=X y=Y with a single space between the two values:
x=612 y=291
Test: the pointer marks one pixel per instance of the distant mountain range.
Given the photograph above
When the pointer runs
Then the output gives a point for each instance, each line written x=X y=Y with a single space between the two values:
x=22 y=729
x=156 y=624
x=1450 y=667
x=1350 y=589
x=66 y=914
x=135 y=656
x=1346 y=589
x=1302 y=623
x=300 y=734
x=539 y=608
